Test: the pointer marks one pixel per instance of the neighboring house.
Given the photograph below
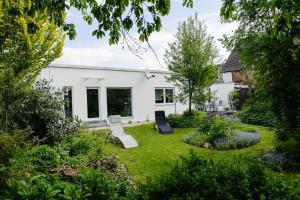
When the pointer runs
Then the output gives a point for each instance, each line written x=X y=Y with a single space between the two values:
x=94 y=93
x=230 y=78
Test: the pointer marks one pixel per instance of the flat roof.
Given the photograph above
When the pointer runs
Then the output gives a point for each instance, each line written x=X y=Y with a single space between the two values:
x=107 y=68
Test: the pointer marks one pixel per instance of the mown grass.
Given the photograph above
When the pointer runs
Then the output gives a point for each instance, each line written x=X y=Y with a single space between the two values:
x=157 y=153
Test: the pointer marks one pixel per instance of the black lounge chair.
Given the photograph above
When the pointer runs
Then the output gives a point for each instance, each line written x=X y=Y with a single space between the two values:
x=161 y=123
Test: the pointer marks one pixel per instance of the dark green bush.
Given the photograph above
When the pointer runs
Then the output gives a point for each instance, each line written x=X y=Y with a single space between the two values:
x=79 y=146
x=185 y=120
x=43 y=157
x=257 y=113
x=100 y=186
x=291 y=148
x=221 y=127
x=198 y=178
x=41 y=111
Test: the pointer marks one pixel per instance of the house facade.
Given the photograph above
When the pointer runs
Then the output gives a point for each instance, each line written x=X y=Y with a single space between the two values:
x=94 y=93
x=230 y=78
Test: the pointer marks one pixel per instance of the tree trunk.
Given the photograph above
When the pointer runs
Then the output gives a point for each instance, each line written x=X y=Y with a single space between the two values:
x=190 y=98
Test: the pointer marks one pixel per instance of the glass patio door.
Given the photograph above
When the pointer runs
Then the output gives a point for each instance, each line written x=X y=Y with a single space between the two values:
x=92 y=102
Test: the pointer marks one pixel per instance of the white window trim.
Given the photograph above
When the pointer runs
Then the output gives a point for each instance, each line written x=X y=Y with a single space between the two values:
x=131 y=93
x=99 y=104
x=164 y=96
x=72 y=98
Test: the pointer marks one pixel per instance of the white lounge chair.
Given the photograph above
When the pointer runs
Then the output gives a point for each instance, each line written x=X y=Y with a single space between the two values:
x=117 y=131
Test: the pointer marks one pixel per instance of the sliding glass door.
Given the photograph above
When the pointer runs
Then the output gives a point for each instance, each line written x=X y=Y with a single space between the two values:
x=92 y=102
x=119 y=102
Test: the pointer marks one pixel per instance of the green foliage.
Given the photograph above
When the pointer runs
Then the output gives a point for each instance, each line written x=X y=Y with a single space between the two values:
x=8 y=144
x=186 y=120
x=29 y=42
x=268 y=41
x=79 y=147
x=199 y=178
x=190 y=59
x=233 y=99
x=114 y=18
x=42 y=112
x=31 y=187
x=100 y=186
x=258 y=113
x=222 y=133
x=291 y=148
x=196 y=139
x=220 y=127
x=43 y=157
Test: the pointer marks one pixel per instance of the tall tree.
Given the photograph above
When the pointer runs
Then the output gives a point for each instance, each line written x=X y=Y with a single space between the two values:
x=24 y=50
x=190 y=59
x=268 y=38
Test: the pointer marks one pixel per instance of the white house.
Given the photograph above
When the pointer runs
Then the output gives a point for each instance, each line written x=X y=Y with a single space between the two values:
x=230 y=78
x=95 y=93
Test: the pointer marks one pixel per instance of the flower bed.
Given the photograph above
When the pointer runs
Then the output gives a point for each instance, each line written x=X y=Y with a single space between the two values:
x=221 y=133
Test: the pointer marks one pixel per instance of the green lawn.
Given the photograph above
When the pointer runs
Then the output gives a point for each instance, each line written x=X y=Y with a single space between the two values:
x=157 y=153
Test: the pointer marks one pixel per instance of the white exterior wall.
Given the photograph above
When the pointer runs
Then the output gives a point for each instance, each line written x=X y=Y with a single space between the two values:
x=222 y=91
x=143 y=89
x=227 y=77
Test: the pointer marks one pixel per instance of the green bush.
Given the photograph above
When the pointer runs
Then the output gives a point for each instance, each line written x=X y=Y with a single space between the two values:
x=41 y=111
x=98 y=185
x=221 y=127
x=185 y=120
x=79 y=146
x=43 y=157
x=291 y=148
x=198 y=178
x=257 y=113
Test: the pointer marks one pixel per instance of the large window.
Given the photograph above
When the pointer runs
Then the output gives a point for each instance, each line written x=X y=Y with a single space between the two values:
x=119 y=102
x=92 y=103
x=164 y=95
x=68 y=102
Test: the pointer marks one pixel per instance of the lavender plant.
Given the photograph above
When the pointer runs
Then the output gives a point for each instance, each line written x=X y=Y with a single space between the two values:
x=240 y=140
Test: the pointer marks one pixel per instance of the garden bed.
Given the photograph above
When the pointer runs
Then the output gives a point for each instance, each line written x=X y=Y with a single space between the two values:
x=222 y=133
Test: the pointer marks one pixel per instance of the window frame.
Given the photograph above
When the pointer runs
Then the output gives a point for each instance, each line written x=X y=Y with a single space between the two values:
x=131 y=104
x=72 y=100
x=99 y=104
x=164 y=95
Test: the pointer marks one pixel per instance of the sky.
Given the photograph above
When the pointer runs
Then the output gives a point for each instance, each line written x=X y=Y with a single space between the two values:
x=88 y=50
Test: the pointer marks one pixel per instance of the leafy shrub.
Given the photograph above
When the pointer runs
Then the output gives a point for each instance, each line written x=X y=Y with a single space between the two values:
x=185 y=120
x=97 y=185
x=43 y=157
x=258 y=113
x=80 y=146
x=240 y=140
x=291 y=148
x=233 y=99
x=7 y=144
x=274 y=159
x=42 y=112
x=220 y=127
x=196 y=139
x=31 y=187
x=198 y=178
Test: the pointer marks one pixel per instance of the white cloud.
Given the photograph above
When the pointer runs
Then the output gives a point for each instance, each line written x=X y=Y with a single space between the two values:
x=115 y=56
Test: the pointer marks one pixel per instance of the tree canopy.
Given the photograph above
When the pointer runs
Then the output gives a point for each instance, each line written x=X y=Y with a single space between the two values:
x=190 y=59
x=268 y=39
x=24 y=51
x=113 y=17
